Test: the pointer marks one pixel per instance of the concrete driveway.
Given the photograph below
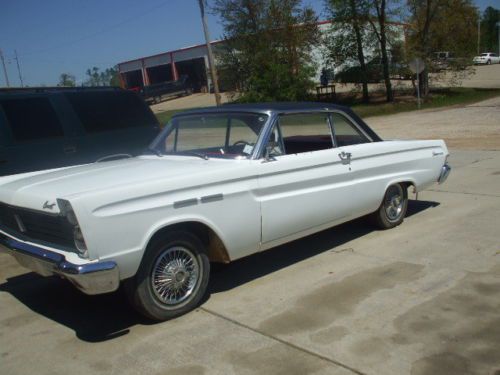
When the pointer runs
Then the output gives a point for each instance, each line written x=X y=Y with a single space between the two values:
x=423 y=298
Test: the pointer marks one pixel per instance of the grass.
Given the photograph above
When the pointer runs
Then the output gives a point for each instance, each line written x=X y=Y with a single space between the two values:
x=437 y=99
x=404 y=102
x=164 y=117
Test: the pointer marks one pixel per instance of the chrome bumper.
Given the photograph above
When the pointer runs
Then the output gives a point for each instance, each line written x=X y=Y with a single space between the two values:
x=90 y=278
x=445 y=171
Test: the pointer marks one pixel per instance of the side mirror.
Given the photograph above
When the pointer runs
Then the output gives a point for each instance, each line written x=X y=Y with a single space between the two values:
x=268 y=153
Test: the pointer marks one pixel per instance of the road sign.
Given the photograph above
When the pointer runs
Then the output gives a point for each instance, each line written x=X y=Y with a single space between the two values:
x=417 y=65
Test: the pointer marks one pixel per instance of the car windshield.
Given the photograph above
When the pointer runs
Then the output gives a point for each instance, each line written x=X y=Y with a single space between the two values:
x=223 y=135
x=484 y=54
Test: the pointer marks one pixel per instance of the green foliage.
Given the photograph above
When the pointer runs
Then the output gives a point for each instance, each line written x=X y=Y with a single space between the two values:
x=267 y=56
x=442 y=25
x=108 y=77
x=489 y=30
x=66 y=80
x=340 y=42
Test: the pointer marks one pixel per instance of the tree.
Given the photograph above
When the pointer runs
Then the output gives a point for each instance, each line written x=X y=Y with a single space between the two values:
x=441 y=25
x=347 y=38
x=108 y=77
x=489 y=32
x=380 y=8
x=268 y=53
x=66 y=80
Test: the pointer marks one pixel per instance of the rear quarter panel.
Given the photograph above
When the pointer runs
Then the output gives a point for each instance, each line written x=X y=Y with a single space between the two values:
x=375 y=166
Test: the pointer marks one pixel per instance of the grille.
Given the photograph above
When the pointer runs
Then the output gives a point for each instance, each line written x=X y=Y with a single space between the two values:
x=53 y=229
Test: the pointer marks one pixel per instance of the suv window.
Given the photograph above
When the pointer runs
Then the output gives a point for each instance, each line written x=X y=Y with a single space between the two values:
x=346 y=133
x=32 y=119
x=305 y=133
x=105 y=111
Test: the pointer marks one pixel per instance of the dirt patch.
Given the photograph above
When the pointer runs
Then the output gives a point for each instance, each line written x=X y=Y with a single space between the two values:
x=459 y=330
x=273 y=360
x=470 y=127
x=321 y=307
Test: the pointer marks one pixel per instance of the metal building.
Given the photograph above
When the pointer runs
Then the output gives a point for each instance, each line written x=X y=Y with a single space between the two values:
x=168 y=66
x=193 y=62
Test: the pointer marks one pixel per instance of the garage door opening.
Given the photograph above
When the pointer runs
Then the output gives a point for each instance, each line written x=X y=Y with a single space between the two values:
x=160 y=73
x=196 y=72
x=133 y=79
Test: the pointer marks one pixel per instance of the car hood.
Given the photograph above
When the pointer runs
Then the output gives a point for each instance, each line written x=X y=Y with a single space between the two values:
x=40 y=190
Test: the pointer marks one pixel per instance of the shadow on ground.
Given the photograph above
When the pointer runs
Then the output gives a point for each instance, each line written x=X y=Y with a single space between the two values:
x=105 y=317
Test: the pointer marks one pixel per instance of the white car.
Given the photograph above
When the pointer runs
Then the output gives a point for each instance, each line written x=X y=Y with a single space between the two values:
x=216 y=185
x=487 y=58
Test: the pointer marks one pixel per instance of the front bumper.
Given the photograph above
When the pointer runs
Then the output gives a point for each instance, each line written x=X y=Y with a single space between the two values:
x=445 y=172
x=90 y=278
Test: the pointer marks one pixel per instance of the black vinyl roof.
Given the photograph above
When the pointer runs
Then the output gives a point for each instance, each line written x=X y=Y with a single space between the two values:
x=284 y=107
x=278 y=107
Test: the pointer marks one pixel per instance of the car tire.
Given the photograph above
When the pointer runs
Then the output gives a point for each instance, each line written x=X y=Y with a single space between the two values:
x=393 y=208
x=489 y=62
x=182 y=258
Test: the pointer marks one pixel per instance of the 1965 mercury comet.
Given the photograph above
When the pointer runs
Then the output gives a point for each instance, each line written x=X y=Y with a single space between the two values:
x=216 y=185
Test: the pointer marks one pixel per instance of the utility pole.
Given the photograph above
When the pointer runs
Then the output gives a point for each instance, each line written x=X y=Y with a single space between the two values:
x=211 y=62
x=19 y=69
x=4 y=69
x=498 y=25
x=478 y=35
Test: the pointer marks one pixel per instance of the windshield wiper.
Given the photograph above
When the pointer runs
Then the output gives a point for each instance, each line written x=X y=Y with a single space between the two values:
x=191 y=153
x=154 y=151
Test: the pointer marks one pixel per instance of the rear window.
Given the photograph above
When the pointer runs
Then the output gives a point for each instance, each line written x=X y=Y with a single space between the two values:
x=31 y=119
x=105 y=111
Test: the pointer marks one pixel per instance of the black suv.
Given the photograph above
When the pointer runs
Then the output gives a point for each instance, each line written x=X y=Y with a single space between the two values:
x=43 y=128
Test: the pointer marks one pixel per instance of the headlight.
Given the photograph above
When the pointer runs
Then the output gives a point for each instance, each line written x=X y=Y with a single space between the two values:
x=79 y=240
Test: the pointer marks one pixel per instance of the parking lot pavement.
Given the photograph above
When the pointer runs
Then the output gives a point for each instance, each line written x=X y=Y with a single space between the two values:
x=422 y=298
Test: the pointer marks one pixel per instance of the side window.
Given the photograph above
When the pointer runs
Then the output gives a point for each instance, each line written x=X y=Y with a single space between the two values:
x=305 y=133
x=346 y=133
x=32 y=119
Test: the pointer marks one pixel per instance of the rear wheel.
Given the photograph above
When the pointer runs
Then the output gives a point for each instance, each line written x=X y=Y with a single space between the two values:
x=393 y=208
x=172 y=278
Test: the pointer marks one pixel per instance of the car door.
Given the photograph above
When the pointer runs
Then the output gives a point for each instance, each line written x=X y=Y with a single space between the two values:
x=304 y=184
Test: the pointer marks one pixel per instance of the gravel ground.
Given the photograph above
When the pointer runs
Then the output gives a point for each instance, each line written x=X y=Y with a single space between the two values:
x=475 y=126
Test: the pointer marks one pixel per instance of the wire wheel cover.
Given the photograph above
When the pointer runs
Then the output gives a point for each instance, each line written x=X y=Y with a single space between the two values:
x=175 y=275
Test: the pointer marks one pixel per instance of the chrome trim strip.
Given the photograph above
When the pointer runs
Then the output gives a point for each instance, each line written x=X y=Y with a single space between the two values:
x=90 y=278
x=212 y=198
x=186 y=203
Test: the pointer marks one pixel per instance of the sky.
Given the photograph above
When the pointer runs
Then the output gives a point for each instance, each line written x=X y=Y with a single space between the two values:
x=68 y=36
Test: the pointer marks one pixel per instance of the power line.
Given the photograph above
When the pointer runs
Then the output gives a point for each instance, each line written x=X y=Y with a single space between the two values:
x=100 y=32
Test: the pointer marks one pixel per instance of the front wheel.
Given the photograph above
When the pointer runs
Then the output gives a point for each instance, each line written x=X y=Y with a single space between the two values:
x=393 y=208
x=172 y=278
